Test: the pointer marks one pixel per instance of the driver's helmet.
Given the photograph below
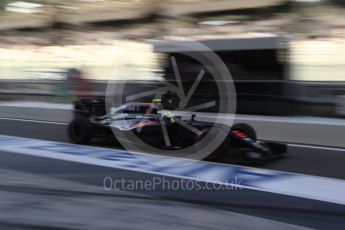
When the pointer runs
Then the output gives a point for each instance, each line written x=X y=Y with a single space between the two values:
x=170 y=116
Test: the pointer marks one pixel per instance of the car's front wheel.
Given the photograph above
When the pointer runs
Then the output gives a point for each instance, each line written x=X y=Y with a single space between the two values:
x=246 y=129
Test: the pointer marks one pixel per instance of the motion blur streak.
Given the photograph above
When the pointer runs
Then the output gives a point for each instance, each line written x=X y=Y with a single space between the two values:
x=287 y=63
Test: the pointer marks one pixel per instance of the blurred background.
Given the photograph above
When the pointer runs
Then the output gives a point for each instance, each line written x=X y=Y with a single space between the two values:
x=287 y=60
x=287 y=57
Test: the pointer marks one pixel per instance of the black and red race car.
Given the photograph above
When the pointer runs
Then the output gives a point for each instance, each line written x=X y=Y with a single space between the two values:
x=145 y=121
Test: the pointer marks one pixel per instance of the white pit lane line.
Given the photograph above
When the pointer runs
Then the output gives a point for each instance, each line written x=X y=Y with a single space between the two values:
x=298 y=185
x=317 y=147
x=33 y=121
x=66 y=123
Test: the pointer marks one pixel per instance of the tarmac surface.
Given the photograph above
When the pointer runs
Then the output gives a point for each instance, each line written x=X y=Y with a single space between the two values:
x=41 y=193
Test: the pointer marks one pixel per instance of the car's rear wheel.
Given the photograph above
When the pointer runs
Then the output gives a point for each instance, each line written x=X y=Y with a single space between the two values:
x=80 y=131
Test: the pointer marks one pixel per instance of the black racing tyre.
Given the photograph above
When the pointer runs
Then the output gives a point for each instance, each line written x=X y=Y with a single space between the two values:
x=245 y=128
x=80 y=131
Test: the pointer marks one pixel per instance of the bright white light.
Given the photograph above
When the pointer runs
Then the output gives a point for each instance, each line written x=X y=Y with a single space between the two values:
x=23 y=7
x=217 y=23
x=92 y=0
x=308 y=1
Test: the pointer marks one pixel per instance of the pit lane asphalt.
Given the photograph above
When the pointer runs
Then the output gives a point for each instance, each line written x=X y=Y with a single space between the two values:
x=305 y=160
x=287 y=209
x=284 y=209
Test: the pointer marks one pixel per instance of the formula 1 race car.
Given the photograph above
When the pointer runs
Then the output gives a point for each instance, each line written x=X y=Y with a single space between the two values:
x=145 y=121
